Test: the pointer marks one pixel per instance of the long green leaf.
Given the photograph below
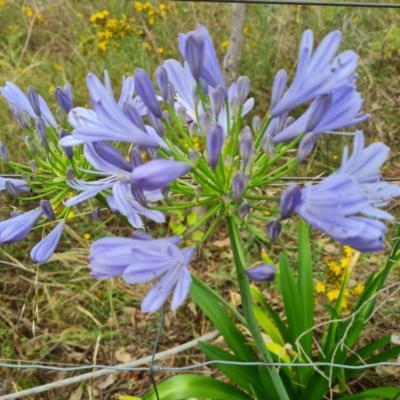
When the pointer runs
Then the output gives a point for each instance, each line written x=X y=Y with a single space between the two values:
x=306 y=285
x=269 y=327
x=365 y=351
x=291 y=299
x=187 y=386
x=378 y=393
x=245 y=376
x=221 y=320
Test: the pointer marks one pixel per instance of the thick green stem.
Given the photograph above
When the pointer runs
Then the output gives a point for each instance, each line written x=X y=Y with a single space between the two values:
x=248 y=310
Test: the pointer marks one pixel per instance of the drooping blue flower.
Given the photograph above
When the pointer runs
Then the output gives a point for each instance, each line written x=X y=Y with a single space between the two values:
x=15 y=229
x=194 y=52
x=64 y=97
x=19 y=101
x=140 y=261
x=317 y=73
x=328 y=113
x=43 y=250
x=215 y=142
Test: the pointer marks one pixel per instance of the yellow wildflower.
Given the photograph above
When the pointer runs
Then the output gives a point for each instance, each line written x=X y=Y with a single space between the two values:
x=51 y=89
x=320 y=287
x=151 y=21
x=70 y=216
x=102 y=46
x=246 y=29
x=2 y=3
x=335 y=157
x=79 y=15
x=99 y=17
x=57 y=67
x=146 y=46
x=138 y=6
x=376 y=139
x=357 y=291
x=335 y=268
x=348 y=251
x=163 y=14
x=160 y=50
x=333 y=295
x=87 y=236
x=28 y=11
x=345 y=262
x=224 y=45
x=162 y=7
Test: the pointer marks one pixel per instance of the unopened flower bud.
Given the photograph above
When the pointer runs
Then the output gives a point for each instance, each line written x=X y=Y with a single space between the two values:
x=306 y=146
x=96 y=214
x=40 y=125
x=33 y=166
x=268 y=145
x=25 y=178
x=290 y=200
x=23 y=119
x=238 y=186
x=162 y=82
x=256 y=124
x=171 y=94
x=243 y=88
x=278 y=87
x=60 y=115
x=215 y=142
x=195 y=52
x=144 y=88
x=70 y=174
x=217 y=97
x=64 y=97
x=193 y=129
x=11 y=188
x=78 y=207
x=261 y=273
x=273 y=230
x=47 y=209
x=156 y=124
x=130 y=111
x=194 y=157
x=69 y=150
x=246 y=145
x=181 y=113
x=234 y=106
x=33 y=99
x=244 y=210
x=204 y=122
x=4 y=153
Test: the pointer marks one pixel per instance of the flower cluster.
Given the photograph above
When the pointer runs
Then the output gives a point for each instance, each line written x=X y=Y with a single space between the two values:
x=184 y=143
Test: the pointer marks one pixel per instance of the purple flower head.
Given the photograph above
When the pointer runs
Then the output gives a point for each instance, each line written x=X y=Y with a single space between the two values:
x=47 y=209
x=15 y=96
x=364 y=165
x=317 y=73
x=261 y=273
x=243 y=88
x=15 y=229
x=156 y=174
x=42 y=251
x=142 y=261
x=64 y=97
x=194 y=52
x=215 y=142
x=145 y=90
x=106 y=121
x=290 y=200
x=328 y=113
x=211 y=74
x=238 y=185
x=217 y=98
x=33 y=99
x=306 y=146
x=274 y=229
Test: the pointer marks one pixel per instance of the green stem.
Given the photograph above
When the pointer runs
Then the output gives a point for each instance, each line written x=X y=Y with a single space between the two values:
x=247 y=304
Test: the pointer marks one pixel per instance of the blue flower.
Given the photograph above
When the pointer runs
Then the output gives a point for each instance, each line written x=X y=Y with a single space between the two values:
x=317 y=73
x=140 y=261
x=19 y=184
x=15 y=229
x=42 y=251
x=261 y=273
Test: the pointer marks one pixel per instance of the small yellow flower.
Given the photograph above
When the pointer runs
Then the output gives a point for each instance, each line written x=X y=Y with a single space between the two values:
x=160 y=50
x=87 y=236
x=162 y=7
x=320 y=287
x=138 y=6
x=224 y=45
x=79 y=15
x=102 y=46
x=376 y=139
x=70 y=216
x=335 y=157
x=335 y=268
x=28 y=11
x=246 y=29
x=146 y=46
x=151 y=21
x=357 y=291
x=355 y=19
x=333 y=295
x=2 y=3
x=99 y=17
x=163 y=14
x=51 y=89
x=348 y=251
x=57 y=67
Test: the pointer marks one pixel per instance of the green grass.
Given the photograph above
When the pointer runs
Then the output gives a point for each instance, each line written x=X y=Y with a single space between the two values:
x=71 y=310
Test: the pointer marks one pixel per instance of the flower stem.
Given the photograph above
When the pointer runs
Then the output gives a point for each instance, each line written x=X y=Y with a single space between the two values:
x=248 y=311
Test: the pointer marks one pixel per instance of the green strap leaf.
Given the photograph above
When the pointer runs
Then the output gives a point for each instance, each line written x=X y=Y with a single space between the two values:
x=187 y=386
x=377 y=393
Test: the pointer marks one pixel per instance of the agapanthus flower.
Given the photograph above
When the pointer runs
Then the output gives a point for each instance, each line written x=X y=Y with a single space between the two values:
x=43 y=250
x=261 y=273
x=20 y=184
x=317 y=73
x=19 y=101
x=140 y=261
